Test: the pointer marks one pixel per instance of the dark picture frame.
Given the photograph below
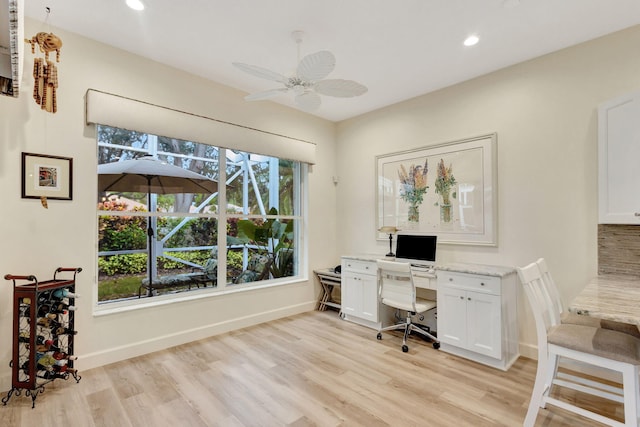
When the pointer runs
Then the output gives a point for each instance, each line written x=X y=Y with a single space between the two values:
x=47 y=176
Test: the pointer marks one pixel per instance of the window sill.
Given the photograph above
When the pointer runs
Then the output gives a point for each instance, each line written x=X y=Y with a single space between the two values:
x=106 y=309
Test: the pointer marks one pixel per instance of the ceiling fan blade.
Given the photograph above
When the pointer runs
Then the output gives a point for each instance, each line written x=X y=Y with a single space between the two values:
x=308 y=101
x=267 y=94
x=316 y=66
x=261 y=72
x=340 y=88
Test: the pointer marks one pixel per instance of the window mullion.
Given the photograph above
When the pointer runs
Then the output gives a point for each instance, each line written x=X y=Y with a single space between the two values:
x=222 y=220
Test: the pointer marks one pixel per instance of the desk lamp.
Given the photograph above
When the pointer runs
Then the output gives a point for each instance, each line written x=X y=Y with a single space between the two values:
x=389 y=229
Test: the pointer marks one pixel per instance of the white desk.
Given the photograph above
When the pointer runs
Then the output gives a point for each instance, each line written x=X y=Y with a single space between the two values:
x=476 y=313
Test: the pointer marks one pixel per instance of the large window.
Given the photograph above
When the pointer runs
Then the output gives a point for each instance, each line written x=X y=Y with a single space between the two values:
x=164 y=241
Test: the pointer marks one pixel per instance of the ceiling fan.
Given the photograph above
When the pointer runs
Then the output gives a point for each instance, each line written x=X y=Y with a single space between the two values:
x=308 y=82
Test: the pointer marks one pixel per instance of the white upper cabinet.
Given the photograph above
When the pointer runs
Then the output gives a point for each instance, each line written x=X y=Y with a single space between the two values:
x=619 y=160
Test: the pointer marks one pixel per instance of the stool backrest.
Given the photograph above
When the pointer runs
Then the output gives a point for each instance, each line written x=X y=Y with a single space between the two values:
x=545 y=311
x=552 y=289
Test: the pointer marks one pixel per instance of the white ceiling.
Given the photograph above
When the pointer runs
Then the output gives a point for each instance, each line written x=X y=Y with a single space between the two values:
x=399 y=49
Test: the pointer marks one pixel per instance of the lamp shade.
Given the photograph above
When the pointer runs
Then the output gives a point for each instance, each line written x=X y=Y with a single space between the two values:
x=388 y=229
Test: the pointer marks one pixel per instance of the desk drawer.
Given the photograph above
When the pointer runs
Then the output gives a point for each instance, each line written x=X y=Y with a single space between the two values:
x=470 y=282
x=357 y=266
x=424 y=280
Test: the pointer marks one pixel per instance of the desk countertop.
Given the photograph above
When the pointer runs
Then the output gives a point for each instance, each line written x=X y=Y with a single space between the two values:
x=459 y=267
x=613 y=297
x=485 y=270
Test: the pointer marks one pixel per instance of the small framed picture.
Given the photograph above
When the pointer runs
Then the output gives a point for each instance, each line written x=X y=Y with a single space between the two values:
x=47 y=176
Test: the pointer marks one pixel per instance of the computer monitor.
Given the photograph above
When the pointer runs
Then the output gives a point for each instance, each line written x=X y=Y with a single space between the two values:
x=416 y=249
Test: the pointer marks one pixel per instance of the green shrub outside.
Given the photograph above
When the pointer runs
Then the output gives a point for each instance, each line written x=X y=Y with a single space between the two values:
x=137 y=263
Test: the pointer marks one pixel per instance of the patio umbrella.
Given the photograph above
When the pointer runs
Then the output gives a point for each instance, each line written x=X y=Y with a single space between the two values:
x=149 y=175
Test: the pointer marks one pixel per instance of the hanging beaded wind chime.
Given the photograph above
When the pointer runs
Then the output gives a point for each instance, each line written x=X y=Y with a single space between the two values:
x=45 y=72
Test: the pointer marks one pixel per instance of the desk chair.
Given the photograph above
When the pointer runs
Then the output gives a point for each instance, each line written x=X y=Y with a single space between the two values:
x=397 y=290
x=578 y=319
x=595 y=346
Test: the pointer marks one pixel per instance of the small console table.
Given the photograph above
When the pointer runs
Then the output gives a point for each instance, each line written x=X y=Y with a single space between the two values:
x=328 y=279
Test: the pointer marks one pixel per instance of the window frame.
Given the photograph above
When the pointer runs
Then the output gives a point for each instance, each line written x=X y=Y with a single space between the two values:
x=222 y=216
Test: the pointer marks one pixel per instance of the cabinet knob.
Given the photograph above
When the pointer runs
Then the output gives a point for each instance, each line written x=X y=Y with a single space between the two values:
x=469 y=298
x=637 y=214
x=481 y=283
x=461 y=297
x=451 y=279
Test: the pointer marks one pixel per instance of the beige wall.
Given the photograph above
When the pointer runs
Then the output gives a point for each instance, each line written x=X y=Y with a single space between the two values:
x=545 y=114
x=36 y=241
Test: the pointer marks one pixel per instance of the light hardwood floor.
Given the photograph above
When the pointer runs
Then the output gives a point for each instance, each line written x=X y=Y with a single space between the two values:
x=307 y=370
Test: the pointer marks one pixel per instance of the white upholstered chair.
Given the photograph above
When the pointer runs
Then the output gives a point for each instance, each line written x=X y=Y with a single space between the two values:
x=578 y=319
x=397 y=290
x=605 y=348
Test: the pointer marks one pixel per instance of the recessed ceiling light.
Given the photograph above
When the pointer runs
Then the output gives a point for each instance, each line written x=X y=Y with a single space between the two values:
x=135 y=4
x=471 y=40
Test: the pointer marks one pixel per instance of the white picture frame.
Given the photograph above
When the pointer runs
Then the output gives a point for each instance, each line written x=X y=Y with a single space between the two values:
x=455 y=198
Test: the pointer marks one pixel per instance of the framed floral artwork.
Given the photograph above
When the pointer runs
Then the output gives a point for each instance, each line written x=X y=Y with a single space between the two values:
x=47 y=176
x=448 y=190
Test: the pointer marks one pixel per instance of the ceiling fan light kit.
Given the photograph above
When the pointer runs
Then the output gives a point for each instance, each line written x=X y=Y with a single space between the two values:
x=309 y=81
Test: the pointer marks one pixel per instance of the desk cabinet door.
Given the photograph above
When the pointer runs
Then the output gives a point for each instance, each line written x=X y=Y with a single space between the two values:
x=484 y=324
x=351 y=294
x=369 y=297
x=452 y=316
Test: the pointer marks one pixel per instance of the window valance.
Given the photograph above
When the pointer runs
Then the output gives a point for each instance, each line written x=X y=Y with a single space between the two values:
x=126 y=113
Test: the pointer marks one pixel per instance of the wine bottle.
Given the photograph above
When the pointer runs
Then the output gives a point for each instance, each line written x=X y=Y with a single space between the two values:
x=48 y=322
x=64 y=331
x=62 y=308
x=43 y=310
x=51 y=346
x=64 y=293
x=24 y=337
x=45 y=362
x=64 y=368
x=63 y=356
x=45 y=374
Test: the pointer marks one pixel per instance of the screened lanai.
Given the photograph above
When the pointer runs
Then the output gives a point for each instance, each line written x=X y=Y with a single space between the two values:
x=242 y=235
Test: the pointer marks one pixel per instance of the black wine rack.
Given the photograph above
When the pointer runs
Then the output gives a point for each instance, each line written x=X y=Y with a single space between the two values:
x=43 y=332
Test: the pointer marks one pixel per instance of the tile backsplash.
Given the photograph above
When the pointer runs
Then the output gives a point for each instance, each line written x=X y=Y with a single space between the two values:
x=619 y=249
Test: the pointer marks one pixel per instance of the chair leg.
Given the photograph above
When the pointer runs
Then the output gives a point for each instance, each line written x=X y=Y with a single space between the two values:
x=424 y=333
x=631 y=389
x=551 y=373
x=539 y=389
x=408 y=326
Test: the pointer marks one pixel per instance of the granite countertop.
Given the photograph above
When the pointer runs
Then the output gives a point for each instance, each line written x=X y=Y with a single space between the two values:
x=368 y=257
x=470 y=268
x=610 y=296
x=459 y=267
